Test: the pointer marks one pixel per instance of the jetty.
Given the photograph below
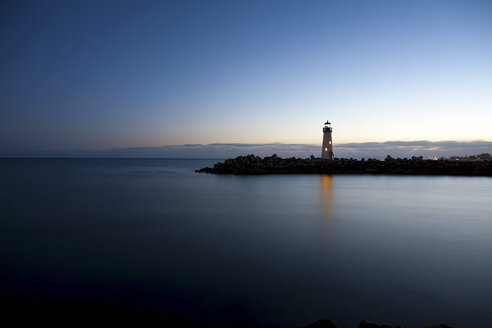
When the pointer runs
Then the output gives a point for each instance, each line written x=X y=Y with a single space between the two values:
x=251 y=164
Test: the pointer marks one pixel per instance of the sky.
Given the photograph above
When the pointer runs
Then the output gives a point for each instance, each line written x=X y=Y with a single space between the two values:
x=82 y=76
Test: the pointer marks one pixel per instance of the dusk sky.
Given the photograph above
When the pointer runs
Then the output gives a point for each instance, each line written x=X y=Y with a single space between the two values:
x=92 y=75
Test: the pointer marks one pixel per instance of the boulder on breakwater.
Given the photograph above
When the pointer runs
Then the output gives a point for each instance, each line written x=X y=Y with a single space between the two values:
x=252 y=164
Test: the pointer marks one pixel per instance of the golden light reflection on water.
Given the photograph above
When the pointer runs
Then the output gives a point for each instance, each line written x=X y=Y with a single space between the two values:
x=326 y=198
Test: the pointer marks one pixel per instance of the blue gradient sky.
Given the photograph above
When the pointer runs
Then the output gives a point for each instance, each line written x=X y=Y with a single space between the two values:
x=79 y=75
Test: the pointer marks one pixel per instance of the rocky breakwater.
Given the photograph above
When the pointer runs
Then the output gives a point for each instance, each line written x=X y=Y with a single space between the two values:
x=252 y=164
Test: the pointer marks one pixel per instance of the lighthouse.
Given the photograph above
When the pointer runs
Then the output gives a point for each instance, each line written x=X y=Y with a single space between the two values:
x=327 y=150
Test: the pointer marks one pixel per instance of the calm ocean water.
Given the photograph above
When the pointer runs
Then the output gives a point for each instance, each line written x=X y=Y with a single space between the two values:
x=153 y=237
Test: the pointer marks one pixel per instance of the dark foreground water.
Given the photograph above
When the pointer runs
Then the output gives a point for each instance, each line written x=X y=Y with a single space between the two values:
x=138 y=239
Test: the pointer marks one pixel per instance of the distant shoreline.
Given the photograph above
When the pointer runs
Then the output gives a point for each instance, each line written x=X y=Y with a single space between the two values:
x=255 y=165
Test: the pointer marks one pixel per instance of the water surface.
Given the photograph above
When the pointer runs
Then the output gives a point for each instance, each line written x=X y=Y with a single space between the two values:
x=155 y=238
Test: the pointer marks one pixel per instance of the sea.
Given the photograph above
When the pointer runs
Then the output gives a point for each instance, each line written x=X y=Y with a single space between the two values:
x=134 y=239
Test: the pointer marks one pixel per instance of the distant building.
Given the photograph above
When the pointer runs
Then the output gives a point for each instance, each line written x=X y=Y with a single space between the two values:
x=327 y=149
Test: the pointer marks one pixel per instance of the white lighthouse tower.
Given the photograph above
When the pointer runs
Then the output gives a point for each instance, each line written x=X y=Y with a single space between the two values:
x=327 y=150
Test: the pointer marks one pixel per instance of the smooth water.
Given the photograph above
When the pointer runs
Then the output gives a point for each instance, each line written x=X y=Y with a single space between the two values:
x=153 y=237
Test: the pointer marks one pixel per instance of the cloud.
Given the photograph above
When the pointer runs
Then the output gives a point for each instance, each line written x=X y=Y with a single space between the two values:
x=225 y=150
x=413 y=148
x=218 y=150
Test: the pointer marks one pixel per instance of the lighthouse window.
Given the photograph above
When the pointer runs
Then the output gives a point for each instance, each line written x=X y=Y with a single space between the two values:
x=326 y=149
x=329 y=142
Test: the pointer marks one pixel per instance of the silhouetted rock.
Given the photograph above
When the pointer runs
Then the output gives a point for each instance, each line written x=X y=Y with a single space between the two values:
x=252 y=164
x=370 y=324
x=438 y=326
x=322 y=324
